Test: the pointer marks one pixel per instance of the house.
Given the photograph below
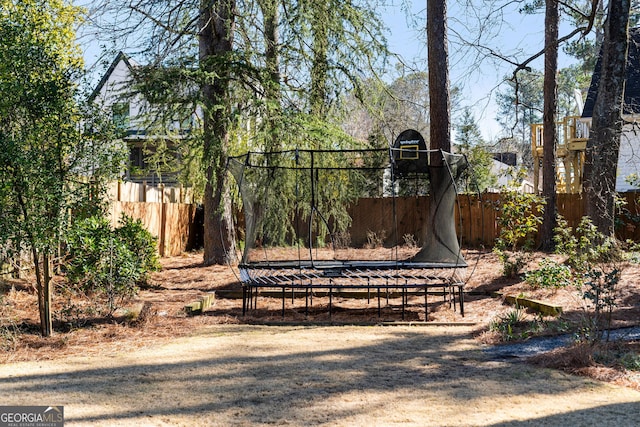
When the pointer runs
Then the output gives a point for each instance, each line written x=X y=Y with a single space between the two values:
x=629 y=155
x=574 y=132
x=132 y=117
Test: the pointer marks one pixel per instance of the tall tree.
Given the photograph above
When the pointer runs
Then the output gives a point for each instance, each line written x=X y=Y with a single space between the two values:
x=549 y=120
x=263 y=66
x=272 y=84
x=44 y=155
x=470 y=143
x=320 y=19
x=439 y=131
x=216 y=30
x=438 y=63
x=606 y=128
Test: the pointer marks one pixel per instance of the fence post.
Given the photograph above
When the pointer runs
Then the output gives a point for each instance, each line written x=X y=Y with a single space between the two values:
x=163 y=222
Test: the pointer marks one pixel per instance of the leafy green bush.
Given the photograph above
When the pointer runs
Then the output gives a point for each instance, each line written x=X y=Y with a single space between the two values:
x=594 y=260
x=506 y=325
x=108 y=262
x=550 y=275
x=583 y=247
x=519 y=219
x=514 y=326
x=141 y=243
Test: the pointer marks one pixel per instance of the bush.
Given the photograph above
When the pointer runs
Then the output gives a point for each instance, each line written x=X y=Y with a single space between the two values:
x=595 y=262
x=519 y=220
x=550 y=275
x=585 y=247
x=110 y=262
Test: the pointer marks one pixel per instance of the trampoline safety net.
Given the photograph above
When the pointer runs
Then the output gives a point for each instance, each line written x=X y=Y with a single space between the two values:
x=333 y=219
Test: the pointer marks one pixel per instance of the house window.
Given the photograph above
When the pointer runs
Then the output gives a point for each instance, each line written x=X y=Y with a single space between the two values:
x=136 y=159
x=120 y=116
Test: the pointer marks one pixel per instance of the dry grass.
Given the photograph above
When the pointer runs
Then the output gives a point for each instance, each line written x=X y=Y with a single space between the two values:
x=235 y=370
x=254 y=375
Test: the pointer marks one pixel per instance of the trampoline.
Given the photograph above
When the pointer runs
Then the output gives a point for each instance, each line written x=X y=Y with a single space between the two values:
x=329 y=222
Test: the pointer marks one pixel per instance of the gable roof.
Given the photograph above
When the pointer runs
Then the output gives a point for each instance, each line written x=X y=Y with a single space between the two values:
x=632 y=82
x=120 y=57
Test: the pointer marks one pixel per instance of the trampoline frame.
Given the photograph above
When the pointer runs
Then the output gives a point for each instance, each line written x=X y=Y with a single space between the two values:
x=335 y=277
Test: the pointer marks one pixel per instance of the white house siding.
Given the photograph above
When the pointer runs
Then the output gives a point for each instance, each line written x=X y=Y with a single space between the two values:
x=116 y=85
x=629 y=158
x=116 y=89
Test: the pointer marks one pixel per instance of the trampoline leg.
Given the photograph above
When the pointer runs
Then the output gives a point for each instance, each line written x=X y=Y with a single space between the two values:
x=244 y=300
x=330 y=301
x=403 y=294
x=379 y=302
x=426 y=305
x=283 y=298
x=461 y=299
x=306 y=302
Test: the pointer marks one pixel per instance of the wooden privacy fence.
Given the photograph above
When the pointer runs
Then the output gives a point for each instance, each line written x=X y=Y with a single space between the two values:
x=171 y=223
x=141 y=192
x=476 y=217
x=391 y=220
x=166 y=212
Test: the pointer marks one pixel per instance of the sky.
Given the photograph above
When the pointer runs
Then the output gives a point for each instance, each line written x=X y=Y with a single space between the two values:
x=516 y=34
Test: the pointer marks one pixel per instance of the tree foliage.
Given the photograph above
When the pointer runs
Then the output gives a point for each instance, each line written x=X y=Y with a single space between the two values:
x=108 y=265
x=47 y=160
x=387 y=109
x=265 y=69
x=471 y=144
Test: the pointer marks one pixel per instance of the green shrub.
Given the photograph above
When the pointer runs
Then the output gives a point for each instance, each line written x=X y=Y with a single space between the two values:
x=630 y=361
x=594 y=260
x=550 y=275
x=111 y=263
x=141 y=243
x=519 y=219
x=583 y=247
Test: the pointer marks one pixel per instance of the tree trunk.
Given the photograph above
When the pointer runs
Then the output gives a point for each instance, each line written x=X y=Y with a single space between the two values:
x=272 y=85
x=43 y=286
x=215 y=43
x=318 y=95
x=438 y=63
x=439 y=110
x=550 y=137
x=604 y=142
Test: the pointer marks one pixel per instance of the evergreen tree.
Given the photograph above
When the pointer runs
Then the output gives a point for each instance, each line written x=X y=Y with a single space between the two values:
x=48 y=165
x=470 y=143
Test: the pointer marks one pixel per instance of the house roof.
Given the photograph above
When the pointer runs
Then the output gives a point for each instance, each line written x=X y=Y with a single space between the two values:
x=632 y=84
x=120 y=57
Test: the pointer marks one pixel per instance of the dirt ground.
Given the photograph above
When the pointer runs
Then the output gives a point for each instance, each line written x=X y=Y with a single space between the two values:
x=255 y=375
x=222 y=368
